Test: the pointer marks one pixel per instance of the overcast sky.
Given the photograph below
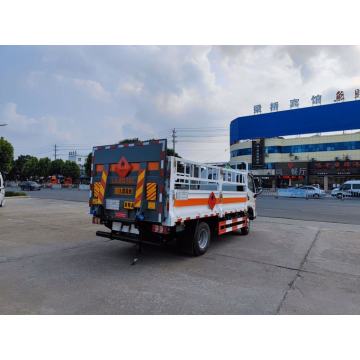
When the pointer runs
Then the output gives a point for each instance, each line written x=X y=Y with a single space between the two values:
x=78 y=97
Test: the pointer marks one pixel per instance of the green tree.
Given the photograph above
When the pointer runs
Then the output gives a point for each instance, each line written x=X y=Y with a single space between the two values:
x=128 y=141
x=44 y=166
x=6 y=155
x=57 y=167
x=17 y=171
x=170 y=152
x=88 y=165
x=30 y=169
x=71 y=169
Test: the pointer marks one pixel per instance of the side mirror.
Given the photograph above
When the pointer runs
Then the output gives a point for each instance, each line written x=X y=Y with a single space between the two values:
x=258 y=191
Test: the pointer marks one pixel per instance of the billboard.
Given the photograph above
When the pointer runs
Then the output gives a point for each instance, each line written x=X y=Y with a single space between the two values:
x=334 y=117
x=258 y=153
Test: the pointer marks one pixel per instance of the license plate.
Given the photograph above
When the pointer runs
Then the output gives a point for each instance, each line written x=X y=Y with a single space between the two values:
x=116 y=226
x=123 y=191
x=112 y=204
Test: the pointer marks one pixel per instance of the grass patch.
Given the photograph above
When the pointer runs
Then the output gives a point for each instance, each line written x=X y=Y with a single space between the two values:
x=14 y=193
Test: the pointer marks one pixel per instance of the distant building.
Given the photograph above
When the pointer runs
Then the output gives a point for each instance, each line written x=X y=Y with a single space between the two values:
x=327 y=160
x=79 y=159
x=270 y=145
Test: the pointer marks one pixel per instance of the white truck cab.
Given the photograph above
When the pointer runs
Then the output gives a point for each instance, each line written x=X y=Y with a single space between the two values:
x=2 y=191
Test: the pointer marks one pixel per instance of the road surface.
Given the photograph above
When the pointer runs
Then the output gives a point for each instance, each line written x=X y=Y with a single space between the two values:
x=51 y=262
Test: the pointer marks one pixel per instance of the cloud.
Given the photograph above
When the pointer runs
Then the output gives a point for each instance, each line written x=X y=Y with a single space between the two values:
x=97 y=95
x=27 y=133
x=93 y=88
x=132 y=87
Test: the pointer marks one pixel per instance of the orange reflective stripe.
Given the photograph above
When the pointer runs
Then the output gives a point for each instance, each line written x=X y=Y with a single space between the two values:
x=135 y=166
x=233 y=200
x=191 y=202
x=151 y=191
x=102 y=186
x=99 y=168
x=139 y=189
x=153 y=165
x=205 y=201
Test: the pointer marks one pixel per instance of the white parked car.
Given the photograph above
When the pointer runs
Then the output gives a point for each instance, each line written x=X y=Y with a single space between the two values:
x=349 y=188
x=2 y=191
x=313 y=191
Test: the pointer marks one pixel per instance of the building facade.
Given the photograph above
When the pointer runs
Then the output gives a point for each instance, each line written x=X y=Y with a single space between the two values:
x=327 y=160
x=270 y=144
x=80 y=160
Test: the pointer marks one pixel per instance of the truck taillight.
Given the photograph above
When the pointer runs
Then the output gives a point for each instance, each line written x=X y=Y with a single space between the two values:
x=160 y=229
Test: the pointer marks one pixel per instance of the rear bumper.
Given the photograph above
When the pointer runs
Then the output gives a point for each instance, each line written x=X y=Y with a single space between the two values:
x=127 y=237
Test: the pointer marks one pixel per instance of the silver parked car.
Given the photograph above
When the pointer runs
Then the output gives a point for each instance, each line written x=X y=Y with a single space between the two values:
x=313 y=191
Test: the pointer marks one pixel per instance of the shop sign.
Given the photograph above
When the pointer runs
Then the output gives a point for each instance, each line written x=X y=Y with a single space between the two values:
x=291 y=169
x=334 y=167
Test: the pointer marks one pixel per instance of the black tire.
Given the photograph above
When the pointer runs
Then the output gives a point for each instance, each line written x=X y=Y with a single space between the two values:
x=246 y=230
x=201 y=240
x=316 y=196
x=339 y=196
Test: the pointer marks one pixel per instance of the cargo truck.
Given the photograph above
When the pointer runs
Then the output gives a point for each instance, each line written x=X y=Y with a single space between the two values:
x=144 y=196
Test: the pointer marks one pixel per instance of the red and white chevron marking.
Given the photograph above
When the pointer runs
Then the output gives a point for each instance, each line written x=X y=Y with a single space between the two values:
x=226 y=226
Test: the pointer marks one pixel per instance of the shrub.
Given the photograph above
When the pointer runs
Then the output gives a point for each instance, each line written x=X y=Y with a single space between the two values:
x=14 y=193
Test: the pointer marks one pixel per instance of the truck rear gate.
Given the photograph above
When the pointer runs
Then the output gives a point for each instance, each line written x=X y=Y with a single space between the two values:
x=128 y=183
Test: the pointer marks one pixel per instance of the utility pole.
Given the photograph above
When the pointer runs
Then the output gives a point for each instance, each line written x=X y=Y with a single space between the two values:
x=55 y=151
x=173 y=138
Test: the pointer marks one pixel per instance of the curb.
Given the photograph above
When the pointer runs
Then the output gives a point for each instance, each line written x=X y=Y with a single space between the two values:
x=17 y=197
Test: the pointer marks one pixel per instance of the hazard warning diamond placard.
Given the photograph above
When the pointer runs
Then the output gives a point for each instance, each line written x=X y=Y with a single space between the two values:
x=122 y=168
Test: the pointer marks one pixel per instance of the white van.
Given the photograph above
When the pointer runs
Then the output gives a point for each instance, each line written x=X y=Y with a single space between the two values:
x=2 y=191
x=349 y=188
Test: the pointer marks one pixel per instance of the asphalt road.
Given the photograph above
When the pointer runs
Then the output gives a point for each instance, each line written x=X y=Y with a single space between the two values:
x=58 y=194
x=51 y=262
x=328 y=209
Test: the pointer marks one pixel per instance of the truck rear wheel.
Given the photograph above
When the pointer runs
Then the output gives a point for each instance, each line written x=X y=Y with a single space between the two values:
x=201 y=240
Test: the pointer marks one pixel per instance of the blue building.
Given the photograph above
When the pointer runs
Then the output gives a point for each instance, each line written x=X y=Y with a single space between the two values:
x=271 y=144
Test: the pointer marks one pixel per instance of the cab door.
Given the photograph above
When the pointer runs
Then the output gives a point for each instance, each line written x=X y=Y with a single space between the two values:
x=251 y=196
